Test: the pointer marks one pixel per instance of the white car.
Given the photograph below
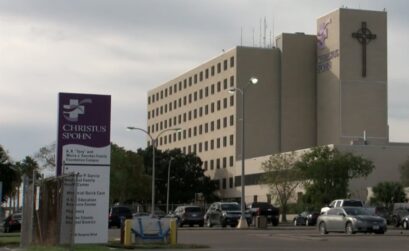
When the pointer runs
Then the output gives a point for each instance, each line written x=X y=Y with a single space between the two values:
x=342 y=203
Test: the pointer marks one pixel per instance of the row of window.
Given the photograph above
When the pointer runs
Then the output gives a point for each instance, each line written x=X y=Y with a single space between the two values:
x=193 y=114
x=209 y=72
x=188 y=99
x=205 y=146
x=218 y=163
x=196 y=130
x=250 y=179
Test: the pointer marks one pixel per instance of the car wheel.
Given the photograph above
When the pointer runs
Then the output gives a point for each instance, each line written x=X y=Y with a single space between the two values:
x=223 y=224
x=405 y=224
x=349 y=229
x=323 y=228
x=190 y=225
x=275 y=222
x=209 y=223
x=201 y=225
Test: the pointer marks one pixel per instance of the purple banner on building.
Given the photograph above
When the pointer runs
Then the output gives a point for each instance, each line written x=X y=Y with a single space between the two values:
x=83 y=148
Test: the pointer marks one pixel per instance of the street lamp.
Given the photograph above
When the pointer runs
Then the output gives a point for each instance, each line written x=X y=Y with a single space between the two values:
x=154 y=141
x=252 y=81
x=168 y=186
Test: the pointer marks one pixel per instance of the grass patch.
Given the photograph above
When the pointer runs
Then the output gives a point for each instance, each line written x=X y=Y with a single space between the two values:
x=9 y=240
x=111 y=247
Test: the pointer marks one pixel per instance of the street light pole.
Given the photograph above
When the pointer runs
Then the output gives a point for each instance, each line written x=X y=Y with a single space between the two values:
x=252 y=81
x=168 y=187
x=154 y=144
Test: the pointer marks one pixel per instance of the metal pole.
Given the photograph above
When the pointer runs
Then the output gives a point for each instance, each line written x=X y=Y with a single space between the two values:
x=153 y=177
x=168 y=187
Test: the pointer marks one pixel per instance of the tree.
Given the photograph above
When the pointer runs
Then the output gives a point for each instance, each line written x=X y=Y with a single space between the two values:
x=328 y=172
x=27 y=166
x=128 y=181
x=387 y=193
x=8 y=176
x=46 y=156
x=404 y=173
x=282 y=178
x=187 y=177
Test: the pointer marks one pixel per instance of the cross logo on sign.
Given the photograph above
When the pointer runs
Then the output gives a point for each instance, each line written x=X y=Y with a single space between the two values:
x=74 y=109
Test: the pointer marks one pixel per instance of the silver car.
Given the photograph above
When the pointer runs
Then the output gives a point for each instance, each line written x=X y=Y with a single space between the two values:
x=350 y=220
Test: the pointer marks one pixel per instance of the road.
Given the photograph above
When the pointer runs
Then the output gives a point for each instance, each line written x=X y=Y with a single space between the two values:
x=290 y=238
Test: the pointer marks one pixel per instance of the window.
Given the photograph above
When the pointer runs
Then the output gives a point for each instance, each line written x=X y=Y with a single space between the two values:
x=218 y=105
x=153 y=98
x=195 y=96
x=219 y=86
x=206 y=127
x=211 y=164
x=231 y=161
x=232 y=100
x=219 y=67
x=194 y=131
x=206 y=146
x=225 y=102
x=190 y=81
x=212 y=126
x=225 y=83
x=201 y=76
x=175 y=88
x=184 y=117
x=184 y=83
x=200 y=147
x=224 y=162
x=212 y=70
x=225 y=64
x=224 y=183
x=231 y=81
x=195 y=78
x=180 y=85
x=206 y=91
x=190 y=98
x=212 y=89
x=184 y=100
x=218 y=124
x=218 y=163
x=200 y=111
x=190 y=115
x=211 y=144
x=232 y=62
x=224 y=141
x=189 y=133
x=195 y=113
x=184 y=134
x=231 y=182
x=200 y=129
x=166 y=93
x=149 y=100
x=207 y=73
x=206 y=109
x=205 y=165
x=231 y=120
x=212 y=107
x=218 y=143
x=225 y=122
x=231 y=139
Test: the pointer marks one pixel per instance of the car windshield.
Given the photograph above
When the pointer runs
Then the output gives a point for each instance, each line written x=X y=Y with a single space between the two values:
x=357 y=211
x=193 y=209
x=230 y=207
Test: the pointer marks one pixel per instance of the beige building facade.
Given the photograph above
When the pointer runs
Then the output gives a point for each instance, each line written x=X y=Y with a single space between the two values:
x=329 y=88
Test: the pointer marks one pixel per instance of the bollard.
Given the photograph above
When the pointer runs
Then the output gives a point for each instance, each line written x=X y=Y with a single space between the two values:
x=127 y=233
x=173 y=232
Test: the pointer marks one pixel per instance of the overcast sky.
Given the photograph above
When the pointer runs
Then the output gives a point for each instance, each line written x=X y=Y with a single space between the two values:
x=126 y=47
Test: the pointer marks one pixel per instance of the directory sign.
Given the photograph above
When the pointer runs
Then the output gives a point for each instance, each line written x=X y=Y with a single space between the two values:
x=83 y=148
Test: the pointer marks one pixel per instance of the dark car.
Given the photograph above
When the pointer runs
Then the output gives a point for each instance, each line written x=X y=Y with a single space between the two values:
x=405 y=222
x=12 y=223
x=265 y=209
x=225 y=213
x=306 y=218
x=398 y=214
x=350 y=220
x=117 y=214
x=189 y=215
x=380 y=211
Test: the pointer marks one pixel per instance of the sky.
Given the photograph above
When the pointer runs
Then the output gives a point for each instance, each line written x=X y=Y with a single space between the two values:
x=124 y=48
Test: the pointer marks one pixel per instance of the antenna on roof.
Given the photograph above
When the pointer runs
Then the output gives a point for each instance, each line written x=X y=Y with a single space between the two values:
x=273 y=33
x=241 y=36
x=265 y=30
x=259 y=36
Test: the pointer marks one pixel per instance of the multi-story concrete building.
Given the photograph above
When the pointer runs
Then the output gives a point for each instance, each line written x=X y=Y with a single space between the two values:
x=312 y=91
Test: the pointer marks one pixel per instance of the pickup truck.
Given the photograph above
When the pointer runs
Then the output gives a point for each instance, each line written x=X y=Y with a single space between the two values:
x=265 y=209
x=342 y=203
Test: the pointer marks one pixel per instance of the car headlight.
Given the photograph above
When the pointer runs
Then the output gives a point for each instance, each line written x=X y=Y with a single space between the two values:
x=224 y=214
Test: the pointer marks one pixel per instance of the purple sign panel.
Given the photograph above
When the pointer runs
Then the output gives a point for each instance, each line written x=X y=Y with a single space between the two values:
x=83 y=148
x=83 y=119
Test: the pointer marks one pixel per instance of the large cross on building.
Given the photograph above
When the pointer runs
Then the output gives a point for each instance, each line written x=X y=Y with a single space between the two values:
x=364 y=36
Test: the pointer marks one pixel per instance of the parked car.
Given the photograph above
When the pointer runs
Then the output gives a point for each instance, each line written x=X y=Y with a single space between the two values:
x=224 y=213
x=12 y=223
x=265 y=209
x=398 y=214
x=117 y=214
x=306 y=218
x=189 y=215
x=380 y=211
x=342 y=203
x=350 y=220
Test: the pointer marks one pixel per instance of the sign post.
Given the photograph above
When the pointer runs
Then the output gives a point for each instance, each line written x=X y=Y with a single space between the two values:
x=83 y=148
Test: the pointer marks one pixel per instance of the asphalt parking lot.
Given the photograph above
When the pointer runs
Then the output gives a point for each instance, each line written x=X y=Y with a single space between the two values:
x=288 y=238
